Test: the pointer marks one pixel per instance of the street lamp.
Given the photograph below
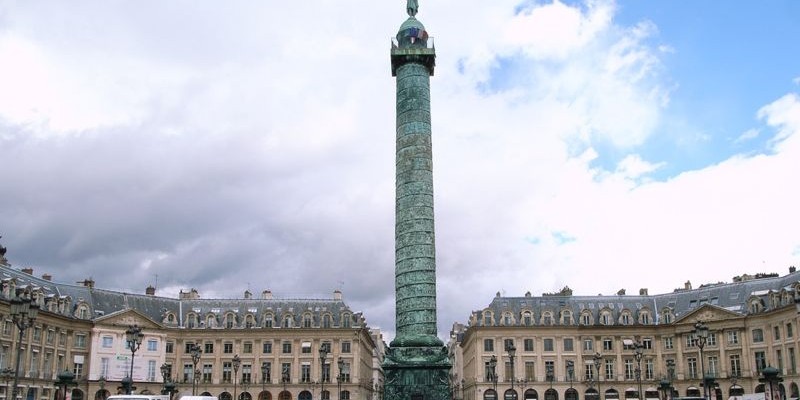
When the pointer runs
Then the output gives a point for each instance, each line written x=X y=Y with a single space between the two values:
x=23 y=312
x=195 y=351
x=133 y=336
x=597 y=359
x=550 y=374
x=701 y=337
x=665 y=386
x=264 y=371
x=340 y=377
x=770 y=375
x=236 y=363
x=65 y=379
x=323 y=354
x=570 y=372
x=637 y=353
x=169 y=386
x=511 y=352
x=493 y=371
x=671 y=376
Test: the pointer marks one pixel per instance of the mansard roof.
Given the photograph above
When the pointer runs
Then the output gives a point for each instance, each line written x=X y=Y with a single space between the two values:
x=101 y=302
x=769 y=293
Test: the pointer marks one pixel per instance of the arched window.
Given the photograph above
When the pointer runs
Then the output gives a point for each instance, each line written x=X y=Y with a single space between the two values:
x=308 y=320
x=489 y=394
x=644 y=317
x=230 y=320
x=586 y=318
x=508 y=319
x=287 y=321
x=211 y=321
x=488 y=319
x=605 y=318
x=249 y=321
x=547 y=318
x=346 y=320
x=566 y=318
x=531 y=394
x=326 y=321
x=667 y=316
x=191 y=320
x=527 y=318
x=625 y=318
x=268 y=320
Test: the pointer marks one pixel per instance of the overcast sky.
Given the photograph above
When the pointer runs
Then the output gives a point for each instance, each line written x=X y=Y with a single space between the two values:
x=228 y=146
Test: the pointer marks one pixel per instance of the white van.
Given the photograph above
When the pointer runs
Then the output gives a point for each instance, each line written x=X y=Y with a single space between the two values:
x=139 y=397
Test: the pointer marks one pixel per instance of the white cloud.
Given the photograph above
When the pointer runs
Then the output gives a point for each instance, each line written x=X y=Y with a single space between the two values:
x=747 y=135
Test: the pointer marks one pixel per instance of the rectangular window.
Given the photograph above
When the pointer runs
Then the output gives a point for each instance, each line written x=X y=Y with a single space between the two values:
x=108 y=342
x=550 y=371
x=266 y=372
x=49 y=336
x=305 y=348
x=761 y=361
x=530 y=371
x=647 y=344
x=77 y=369
x=208 y=347
x=588 y=372
x=629 y=374
x=528 y=344
x=170 y=347
x=227 y=368
x=345 y=347
x=712 y=339
x=733 y=337
x=588 y=344
x=668 y=343
x=691 y=340
x=568 y=344
x=152 y=345
x=187 y=373
x=247 y=373
x=789 y=330
x=691 y=363
x=208 y=370
x=608 y=345
x=649 y=369
x=779 y=359
x=227 y=348
x=151 y=370
x=609 y=370
x=776 y=332
x=305 y=373
x=736 y=365
x=713 y=368
x=266 y=347
x=548 y=345
x=286 y=374
x=247 y=347
x=792 y=361
x=37 y=333
x=287 y=347
x=104 y=362
x=758 y=336
x=80 y=342
x=508 y=343
x=488 y=344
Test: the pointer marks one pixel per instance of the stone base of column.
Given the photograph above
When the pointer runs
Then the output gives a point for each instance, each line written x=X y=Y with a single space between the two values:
x=417 y=373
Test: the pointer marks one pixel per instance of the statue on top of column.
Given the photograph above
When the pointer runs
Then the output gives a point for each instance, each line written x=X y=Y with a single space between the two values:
x=411 y=7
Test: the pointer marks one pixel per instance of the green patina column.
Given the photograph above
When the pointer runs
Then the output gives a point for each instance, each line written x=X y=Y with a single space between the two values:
x=416 y=366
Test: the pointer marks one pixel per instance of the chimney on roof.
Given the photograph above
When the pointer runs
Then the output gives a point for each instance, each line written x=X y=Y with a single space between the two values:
x=792 y=269
x=47 y=277
x=87 y=282
x=28 y=271
x=190 y=295
x=337 y=294
x=643 y=292
x=687 y=285
x=247 y=294
x=266 y=295
x=528 y=294
x=150 y=290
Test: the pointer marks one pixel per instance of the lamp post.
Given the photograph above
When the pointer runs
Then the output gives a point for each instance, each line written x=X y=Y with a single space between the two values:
x=340 y=377
x=770 y=375
x=65 y=379
x=23 y=312
x=671 y=376
x=597 y=359
x=323 y=354
x=637 y=353
x=570 y=372
x=664 y=385
x=493 y=371
x=236 y=363
x=169 y=386
x=133 y=336
x=195 y=351
x=511 y=352
x=264 y=370
x=701 y=337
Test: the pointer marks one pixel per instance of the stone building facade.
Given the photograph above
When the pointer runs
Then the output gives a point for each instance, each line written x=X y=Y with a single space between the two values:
x=81 y=328
x=574 y=347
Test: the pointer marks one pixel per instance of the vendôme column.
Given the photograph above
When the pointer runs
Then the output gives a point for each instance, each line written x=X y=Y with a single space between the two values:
x=416 y=366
